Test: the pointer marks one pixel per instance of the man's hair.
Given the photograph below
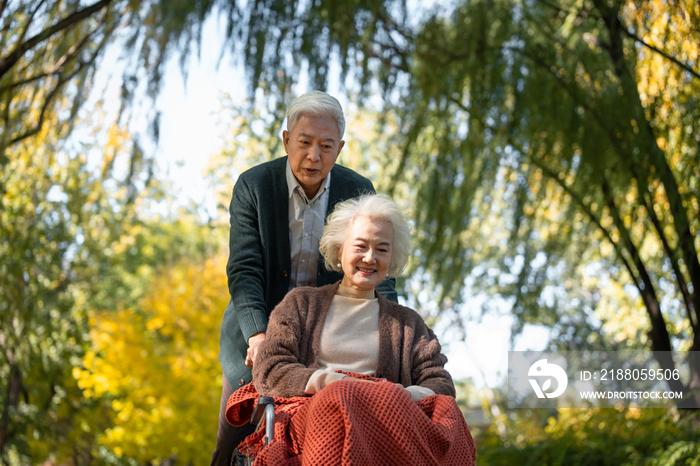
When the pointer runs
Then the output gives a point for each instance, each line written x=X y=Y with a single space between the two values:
x=316 y=103
x=377 y=206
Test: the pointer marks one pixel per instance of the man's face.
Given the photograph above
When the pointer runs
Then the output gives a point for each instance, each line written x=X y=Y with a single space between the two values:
x=313 y=146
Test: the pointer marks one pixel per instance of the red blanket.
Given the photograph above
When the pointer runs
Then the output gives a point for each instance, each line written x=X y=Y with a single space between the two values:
x=356 y=423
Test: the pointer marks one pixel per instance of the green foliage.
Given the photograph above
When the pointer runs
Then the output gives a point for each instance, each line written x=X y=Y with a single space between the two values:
x=534 y=131
x=74 y=243
x=49 y=50
x=54 y=211
x=648 y=437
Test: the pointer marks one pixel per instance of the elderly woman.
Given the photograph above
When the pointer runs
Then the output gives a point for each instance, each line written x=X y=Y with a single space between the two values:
x=370 y=366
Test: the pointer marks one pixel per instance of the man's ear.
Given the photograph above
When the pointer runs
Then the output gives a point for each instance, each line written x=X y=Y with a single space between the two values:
x=285 y=140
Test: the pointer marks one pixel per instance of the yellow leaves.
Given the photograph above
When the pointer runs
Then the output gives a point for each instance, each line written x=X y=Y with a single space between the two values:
x=155 y=324
x=624 y=317
x=160 y=364
x=633 y=413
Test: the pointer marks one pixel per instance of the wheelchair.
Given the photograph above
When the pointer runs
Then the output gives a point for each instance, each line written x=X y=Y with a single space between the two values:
x=264 y=409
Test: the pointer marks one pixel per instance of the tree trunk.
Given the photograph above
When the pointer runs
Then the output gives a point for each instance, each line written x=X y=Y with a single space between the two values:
x=659 y=334
x=14 y=387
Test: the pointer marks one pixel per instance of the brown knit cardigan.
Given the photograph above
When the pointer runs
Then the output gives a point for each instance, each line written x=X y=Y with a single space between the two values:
x=409 y=352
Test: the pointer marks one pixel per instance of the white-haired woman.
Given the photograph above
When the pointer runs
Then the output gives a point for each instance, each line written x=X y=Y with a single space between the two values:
x=364 y=361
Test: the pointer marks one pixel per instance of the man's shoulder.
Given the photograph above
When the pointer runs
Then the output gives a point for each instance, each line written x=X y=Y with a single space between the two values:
x=350 y=177
x=265 y=170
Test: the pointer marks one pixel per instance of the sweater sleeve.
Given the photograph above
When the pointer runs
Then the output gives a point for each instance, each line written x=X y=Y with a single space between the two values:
x=321 y=379
x=277 y=369
x=429 y=362
x=418 y=393
x=245 y=266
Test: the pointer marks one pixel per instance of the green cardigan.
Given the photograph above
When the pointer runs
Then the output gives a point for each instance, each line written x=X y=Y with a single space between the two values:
x=259 y=263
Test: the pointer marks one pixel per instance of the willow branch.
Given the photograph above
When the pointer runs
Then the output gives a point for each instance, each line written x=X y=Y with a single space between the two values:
x=29 y=21
x=54 y=93
x=7 y=62
x=587 y=210
x=676 y=61
x=687 y=299
x=57 y=67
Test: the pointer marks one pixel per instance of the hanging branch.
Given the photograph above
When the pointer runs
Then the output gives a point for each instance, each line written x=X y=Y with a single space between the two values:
x=687 y=299
x=7 y=62
x=592 y=216
x=63 y=80
x=57 y=67
x=3 y=4
x=676 y=61
x=686 y=240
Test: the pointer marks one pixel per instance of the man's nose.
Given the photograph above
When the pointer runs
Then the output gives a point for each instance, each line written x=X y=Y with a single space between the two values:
x=314 y=153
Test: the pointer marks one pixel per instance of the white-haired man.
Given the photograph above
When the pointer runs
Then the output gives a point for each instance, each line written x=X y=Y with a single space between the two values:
x=278 y=210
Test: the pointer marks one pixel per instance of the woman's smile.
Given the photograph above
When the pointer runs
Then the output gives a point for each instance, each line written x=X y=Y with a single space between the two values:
x=365 y=255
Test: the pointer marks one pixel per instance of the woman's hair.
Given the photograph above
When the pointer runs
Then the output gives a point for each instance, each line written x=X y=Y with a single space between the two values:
x=316 y=103
x=377 y=206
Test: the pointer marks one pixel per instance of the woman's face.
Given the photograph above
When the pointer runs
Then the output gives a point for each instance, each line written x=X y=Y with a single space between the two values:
x=366 y=253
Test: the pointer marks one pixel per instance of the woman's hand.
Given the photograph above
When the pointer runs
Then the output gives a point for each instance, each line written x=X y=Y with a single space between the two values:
x=355 y=379
x=405 y=390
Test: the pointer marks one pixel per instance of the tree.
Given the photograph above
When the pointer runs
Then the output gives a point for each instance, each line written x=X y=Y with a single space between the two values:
x=61 y=224
x=40 y=57
x=50 y=50
x=535 y=110
x=158 y=366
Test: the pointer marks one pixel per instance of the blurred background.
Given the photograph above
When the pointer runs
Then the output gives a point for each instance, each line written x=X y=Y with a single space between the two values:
x=547 y=152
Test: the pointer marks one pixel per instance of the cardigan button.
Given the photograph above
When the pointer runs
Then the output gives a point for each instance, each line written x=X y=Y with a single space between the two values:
x=241 y=383
x=284 y=274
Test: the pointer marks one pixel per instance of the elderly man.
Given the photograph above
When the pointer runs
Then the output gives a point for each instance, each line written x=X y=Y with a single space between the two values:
x=278 y=210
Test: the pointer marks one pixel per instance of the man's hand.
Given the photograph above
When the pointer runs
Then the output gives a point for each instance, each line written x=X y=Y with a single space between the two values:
x=253 y=343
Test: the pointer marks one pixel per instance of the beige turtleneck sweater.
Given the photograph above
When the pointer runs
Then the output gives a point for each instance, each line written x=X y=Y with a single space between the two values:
x=350 y=341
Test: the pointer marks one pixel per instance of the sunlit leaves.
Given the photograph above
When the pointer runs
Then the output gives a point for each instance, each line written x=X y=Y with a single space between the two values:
x=542 y=115
x=159 y=366
x=61 y=225
x=594 y=436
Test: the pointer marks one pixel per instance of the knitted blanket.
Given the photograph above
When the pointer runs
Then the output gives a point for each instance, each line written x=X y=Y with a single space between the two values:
x=357 y=423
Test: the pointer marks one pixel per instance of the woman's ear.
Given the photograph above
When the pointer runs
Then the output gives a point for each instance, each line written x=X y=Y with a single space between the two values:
x=339 y=252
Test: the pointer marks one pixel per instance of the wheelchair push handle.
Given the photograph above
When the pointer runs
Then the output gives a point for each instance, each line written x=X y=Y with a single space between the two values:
x=265 y=404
